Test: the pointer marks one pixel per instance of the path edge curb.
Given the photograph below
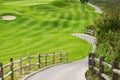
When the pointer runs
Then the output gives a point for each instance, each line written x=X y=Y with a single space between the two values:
x=42 y=69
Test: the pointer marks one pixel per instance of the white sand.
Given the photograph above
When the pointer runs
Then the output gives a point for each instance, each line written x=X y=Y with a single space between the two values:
x=8 y=17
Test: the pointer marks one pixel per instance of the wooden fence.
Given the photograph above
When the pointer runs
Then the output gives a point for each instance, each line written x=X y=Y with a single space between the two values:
x=113 y=68
x=29 y=64
x=90 y=32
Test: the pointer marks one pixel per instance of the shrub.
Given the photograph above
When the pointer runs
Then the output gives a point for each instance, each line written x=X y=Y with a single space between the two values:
x=108 y=36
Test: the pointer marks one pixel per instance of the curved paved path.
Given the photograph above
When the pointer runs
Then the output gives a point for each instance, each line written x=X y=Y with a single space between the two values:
x=98 y=10
x=70 y=71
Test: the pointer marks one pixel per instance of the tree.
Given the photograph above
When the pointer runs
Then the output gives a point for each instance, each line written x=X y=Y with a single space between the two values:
x=83 y=2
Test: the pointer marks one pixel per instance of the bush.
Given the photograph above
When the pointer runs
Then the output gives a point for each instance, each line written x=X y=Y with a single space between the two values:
x=108 y=36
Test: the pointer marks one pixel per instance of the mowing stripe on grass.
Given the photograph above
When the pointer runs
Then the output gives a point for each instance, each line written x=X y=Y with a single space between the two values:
x=24 y=35
x=61 y=21
x=44 y=27
x=55 y=23
x=73 y=17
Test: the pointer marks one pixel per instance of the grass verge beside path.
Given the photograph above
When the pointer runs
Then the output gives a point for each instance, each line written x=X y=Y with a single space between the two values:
x=45 y=44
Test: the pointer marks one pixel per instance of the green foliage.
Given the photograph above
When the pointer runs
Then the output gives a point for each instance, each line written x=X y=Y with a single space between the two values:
x=84 y=1
x=108 y=31
x=108 y=36
x=107 y=4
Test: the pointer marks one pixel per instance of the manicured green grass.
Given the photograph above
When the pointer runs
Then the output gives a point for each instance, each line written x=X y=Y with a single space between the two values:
x=27 y=2
x=44 y=28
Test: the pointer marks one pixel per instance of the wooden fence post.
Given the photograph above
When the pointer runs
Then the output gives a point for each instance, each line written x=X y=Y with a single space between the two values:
x=114 y=66
x=20 y=65
x=60 y=56
x=11 y=69
x=39 y=61
x=101 y=69
x=95 y=33
x=46 y=60
x=93 y=64
x=66 y=56
x=29 y=62
x=53 y=58
x=90 y=61
x=1 y=72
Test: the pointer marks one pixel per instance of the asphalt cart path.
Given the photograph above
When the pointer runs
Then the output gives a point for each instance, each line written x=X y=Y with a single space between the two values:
x=70 y=71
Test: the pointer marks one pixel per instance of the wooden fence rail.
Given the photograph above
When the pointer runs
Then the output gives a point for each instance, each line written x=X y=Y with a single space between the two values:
x=90 y=32
x=113 y=68
x=41 y=60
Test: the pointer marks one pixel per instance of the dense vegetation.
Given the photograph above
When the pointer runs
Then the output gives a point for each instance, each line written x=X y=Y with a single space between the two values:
x=108 y=31
x=109 y=4
x=108 y=37
x=44 y=26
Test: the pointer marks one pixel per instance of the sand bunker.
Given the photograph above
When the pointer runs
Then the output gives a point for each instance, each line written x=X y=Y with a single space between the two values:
x=8 y=17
